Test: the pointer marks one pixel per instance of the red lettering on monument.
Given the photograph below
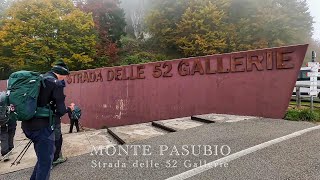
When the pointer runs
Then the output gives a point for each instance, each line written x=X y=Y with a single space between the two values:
x=118 y=74
x=221 y=67
x=168 y=67
x=86 y=77
x=124 y=74
x=157 y=72
x=237 y=63
x=255 y=60
x=80 y=78
x=197 y=67
x=269 y=60
x=283 y=60
x=110 y=75
x=99 y=77
x=69 y=79
x=208 y=67
x=183 y=68
x=132 y=77
x=92 y=77
x=140 y=72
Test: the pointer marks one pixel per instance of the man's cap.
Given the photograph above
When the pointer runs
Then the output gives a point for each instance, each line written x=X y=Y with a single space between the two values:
x=60 y=68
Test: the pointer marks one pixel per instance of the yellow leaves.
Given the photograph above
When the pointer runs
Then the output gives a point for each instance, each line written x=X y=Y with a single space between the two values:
x=200 y=27
x=193 y=27
x=81 y=58
x=81 y=21
x=2 y=35
x=38 y=32
x=200 y=31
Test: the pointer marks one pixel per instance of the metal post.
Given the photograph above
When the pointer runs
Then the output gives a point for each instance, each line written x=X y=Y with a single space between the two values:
x=313 y=56
x=311 y=103
x=298 y=97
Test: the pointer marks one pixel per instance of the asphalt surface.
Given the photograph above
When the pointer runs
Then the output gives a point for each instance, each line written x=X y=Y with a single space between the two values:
x=296 y=158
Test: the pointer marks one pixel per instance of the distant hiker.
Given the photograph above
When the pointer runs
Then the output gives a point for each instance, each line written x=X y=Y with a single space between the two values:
x=39 y=109
x=7 y=129
x=74 y=114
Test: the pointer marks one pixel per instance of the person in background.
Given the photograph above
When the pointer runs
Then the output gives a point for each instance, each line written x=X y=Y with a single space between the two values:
x=7 y=132
x=74 y=114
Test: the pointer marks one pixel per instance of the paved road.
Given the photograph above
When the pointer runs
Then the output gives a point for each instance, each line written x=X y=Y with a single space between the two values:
x=295 y=158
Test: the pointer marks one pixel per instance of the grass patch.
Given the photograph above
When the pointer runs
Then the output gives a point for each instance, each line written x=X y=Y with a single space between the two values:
x=302 y=115
x=293 y=115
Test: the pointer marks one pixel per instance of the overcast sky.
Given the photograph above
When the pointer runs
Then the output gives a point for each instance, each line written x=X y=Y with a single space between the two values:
x=314 y=6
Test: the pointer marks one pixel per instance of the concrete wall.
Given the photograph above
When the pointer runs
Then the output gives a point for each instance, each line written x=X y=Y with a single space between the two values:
x=257 y=83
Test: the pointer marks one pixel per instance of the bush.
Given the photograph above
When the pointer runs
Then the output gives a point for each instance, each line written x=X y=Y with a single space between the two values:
x=136 y=51
x=302 y=115
x=142 y=57
x=129 y=45
x=292 y=115
x=308 y=115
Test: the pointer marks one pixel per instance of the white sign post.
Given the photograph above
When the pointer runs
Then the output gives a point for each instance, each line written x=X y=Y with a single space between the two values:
x=314 y=74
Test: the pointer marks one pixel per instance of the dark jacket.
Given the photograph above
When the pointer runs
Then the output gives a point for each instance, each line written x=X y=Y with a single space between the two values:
x=10 y=125
x=69 y=113
x=51 y=94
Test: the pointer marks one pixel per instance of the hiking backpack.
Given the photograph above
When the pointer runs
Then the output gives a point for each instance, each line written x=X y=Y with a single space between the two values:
x=3 y=109
x=76 y=113
x=22 y=93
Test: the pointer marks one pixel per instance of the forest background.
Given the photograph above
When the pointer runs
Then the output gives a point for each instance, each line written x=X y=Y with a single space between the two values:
x=101 y=33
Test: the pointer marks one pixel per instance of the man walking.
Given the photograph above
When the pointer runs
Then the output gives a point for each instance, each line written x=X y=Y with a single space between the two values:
x=40 y=130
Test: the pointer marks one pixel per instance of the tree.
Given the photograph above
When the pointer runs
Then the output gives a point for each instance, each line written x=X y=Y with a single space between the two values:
x=201 y=30
x=5 y=70
x=162 y=21
x=269 y=23
x=110 y=23
x=283 y=22
x=212 y=26
x=36 y=33
x=241 y=24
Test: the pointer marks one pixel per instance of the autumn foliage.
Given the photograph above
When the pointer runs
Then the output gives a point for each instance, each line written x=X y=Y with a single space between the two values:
x=98 y=33
x=109 y=22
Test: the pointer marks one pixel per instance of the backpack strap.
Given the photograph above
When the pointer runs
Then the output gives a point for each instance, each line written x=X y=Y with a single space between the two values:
x=48 y=106
x=42 y=81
